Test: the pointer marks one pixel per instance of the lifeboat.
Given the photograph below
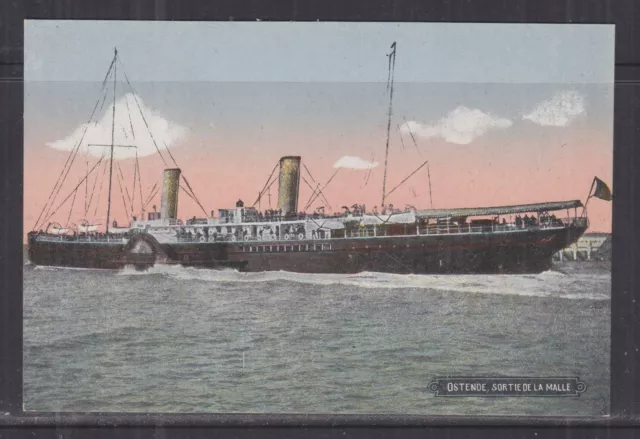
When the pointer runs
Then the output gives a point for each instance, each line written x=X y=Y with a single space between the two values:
x=57 y=229
x=85 y=227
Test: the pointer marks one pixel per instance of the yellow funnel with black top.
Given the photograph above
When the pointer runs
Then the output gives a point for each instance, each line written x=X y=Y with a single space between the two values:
x=170 y=187
x=289 y=184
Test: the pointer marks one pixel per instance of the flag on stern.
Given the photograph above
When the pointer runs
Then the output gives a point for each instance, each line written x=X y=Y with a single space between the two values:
x=601 y=191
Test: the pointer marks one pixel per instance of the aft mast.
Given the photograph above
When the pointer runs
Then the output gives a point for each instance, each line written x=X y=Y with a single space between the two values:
x=113 y=124
x=392 y=68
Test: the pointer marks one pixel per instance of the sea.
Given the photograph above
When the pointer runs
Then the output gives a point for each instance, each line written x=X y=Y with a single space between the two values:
x=200 y=341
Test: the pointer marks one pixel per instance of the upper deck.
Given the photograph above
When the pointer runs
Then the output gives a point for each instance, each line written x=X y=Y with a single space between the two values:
x=248 y=224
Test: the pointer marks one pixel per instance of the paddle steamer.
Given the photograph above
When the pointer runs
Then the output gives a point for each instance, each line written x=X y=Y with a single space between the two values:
x=499 y=239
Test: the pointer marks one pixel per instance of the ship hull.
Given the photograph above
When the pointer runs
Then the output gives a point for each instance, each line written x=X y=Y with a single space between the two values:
x=529 y=251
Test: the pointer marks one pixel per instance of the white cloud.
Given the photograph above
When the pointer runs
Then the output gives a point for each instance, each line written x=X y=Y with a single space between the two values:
x=559 y=111
x=354 y=163
x=461 y=126
x=99 y=132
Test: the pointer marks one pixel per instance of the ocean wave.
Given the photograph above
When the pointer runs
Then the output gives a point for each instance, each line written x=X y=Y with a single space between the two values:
x=57 y=268
x=550 y=283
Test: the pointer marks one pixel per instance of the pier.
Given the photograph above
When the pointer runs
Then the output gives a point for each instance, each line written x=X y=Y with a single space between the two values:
x=585 y=249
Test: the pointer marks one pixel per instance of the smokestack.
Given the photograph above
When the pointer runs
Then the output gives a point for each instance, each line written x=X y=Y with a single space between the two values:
x=170 y=185
x=289 y=184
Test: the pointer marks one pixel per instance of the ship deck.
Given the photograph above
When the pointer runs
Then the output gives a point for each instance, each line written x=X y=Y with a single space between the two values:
x=365 y=231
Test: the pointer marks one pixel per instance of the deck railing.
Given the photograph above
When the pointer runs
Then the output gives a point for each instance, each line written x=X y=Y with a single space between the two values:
x=368 y=231
x=119 y=239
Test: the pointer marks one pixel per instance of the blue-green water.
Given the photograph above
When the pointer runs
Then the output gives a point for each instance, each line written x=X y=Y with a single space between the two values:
x=187 y=340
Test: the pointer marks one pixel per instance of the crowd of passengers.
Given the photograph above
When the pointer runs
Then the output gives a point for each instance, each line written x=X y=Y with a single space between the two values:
x=212 y=234
x=532 y=221
x=74 y=235
x=277 y=215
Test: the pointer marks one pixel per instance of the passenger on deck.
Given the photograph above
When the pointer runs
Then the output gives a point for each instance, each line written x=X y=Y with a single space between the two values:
x=526 y=221
x=518 y=221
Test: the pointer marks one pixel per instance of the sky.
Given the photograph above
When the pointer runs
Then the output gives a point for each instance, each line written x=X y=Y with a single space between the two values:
x=504 y=114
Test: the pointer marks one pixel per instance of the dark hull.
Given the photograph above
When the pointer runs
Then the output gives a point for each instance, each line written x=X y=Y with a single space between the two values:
x=528 y=251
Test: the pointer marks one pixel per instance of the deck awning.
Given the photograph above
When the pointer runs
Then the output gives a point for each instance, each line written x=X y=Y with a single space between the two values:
x=498 y=210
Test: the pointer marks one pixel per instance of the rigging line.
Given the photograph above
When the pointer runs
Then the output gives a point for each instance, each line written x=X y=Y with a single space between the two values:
x=124 y=185
x=87 y=203
x=188 y=194
x=194 y=194
x=366 y=180
x=323 y=188
x=93 y=190
x=133 y=191
x=124 y=203
x=106 y=77
x=412 y=136
x=103 y=99
x=410 y=175
x=267 y=188
x=61 y=181
x=139 y=184
x=392 y=64
x=420 y=153
x=72 y=204
x=311 y=187
x=314 y=180
x=184 y=177
x=144 y=119
x=151 y=193
x=133 y=133
x=313 y=190
x=104 y=172
x=265 y=185
x=135 y=98
x=94 y=109
x=72 y=156
x=69 y=196
x=309 y=172
x=316 y=194
x=67 y=167
x=401 y=139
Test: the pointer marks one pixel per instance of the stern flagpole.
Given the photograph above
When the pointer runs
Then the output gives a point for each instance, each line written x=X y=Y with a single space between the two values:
x=584 y=208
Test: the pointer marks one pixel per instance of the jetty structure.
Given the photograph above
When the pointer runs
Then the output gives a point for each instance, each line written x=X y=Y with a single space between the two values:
x=495 y=239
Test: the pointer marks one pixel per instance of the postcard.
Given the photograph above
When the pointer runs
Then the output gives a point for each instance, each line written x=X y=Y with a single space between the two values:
x=318 y=217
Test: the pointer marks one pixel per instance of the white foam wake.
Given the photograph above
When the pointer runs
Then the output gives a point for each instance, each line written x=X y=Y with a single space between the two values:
x=547 y=284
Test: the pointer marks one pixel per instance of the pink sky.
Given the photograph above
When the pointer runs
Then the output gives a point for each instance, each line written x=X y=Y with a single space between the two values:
x=460 y=176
